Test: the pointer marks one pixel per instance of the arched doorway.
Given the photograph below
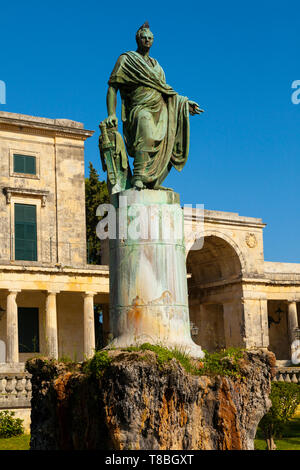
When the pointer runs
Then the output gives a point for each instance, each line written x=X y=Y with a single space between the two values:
x=215 y=294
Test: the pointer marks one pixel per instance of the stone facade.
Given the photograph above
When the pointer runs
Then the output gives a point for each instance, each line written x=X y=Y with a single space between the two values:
x=58 y=281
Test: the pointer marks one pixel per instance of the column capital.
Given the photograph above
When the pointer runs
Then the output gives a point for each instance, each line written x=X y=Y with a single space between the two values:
x=254 y=296
x=52 y=291
x=89 y=294
x=14 y=291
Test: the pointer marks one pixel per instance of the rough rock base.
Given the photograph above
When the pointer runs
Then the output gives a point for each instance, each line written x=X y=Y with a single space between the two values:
x=139 y=404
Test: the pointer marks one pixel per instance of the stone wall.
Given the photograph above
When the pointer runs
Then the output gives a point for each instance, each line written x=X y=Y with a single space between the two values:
x=137 y=403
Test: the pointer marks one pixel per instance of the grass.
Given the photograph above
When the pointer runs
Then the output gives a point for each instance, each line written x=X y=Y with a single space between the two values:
x=16 y=443
x=224 y=362
x=292 y=442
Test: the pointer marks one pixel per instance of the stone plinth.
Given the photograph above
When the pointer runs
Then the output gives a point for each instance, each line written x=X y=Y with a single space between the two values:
x=148 y=279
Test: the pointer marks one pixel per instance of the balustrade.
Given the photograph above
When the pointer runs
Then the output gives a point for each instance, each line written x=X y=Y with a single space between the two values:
x=287 y=374
x=15 y=390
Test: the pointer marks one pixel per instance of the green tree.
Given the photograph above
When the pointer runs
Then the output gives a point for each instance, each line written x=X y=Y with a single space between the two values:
x=285 y=398
x=96 y=193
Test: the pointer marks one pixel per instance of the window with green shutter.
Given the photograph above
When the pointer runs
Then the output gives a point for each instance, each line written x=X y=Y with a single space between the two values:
x=24 y=164
x=25 y=232
x=28 y=329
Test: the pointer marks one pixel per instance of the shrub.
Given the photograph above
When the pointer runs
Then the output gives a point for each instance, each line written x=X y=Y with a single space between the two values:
x=97 y=364
x=10 y=426
x=285 y=398
x=223 y=362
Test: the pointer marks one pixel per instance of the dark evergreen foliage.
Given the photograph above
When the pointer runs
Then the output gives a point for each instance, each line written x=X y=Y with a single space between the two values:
x=96 y=193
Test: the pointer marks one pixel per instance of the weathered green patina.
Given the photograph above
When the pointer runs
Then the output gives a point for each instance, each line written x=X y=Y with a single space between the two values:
x=155 y=118
x=114 y=159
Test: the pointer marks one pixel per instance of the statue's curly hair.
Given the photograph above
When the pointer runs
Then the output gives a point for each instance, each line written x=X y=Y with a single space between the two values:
x=142 y=28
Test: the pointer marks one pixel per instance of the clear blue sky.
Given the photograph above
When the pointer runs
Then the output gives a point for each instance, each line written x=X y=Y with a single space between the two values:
x=236 y=59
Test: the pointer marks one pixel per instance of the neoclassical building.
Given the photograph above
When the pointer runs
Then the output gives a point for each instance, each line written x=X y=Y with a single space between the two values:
x=48 y=291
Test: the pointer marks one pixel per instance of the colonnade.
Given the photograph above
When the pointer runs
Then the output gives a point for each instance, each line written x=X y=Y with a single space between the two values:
x=51 y=330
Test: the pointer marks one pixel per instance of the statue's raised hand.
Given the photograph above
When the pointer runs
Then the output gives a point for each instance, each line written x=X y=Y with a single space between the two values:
x=111 y=121
x=194 y=108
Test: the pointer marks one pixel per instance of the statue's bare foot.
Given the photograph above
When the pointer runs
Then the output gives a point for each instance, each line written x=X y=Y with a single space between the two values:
x=138 y=184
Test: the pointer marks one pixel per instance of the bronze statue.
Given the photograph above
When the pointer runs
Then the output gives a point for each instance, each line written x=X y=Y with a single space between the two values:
x=155 y=118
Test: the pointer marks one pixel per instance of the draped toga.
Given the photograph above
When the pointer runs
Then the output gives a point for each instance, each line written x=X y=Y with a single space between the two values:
x=155 y=118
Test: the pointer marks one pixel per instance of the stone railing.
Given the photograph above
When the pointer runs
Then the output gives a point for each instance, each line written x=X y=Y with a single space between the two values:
x=287 y=374
x=15 y=390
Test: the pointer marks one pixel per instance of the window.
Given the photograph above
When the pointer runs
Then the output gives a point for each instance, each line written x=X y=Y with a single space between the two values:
x=24 y=164
x=28 y=327
x=25 y=232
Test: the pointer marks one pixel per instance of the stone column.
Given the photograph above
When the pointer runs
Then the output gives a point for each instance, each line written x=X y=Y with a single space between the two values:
x=255 y=321
x=88 y=325
x=292 y=319
x=12 y=337
x=51 y=325
x=106 y=327
x=147 y=272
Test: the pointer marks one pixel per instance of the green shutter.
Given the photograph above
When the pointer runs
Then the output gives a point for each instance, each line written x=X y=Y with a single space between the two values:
x=28 y=329
x=25 y=232
x=19 y=164
x=24 y=164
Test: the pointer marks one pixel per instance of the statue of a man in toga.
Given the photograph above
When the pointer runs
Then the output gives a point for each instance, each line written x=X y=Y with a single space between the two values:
x=155 y=118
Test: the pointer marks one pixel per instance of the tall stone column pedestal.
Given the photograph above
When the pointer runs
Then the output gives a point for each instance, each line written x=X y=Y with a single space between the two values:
x=148 y=282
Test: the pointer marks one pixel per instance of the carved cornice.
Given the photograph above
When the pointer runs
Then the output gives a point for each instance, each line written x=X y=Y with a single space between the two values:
x=25 y=192
x=45 y=129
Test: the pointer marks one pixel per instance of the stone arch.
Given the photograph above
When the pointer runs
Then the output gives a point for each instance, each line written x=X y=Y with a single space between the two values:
x=215 y=272
x=194 y=237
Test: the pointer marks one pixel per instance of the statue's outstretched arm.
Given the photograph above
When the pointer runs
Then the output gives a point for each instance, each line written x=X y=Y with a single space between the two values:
x=111 y=102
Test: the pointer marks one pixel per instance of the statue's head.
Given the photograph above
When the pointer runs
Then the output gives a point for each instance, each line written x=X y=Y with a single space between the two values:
x=144 y=36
